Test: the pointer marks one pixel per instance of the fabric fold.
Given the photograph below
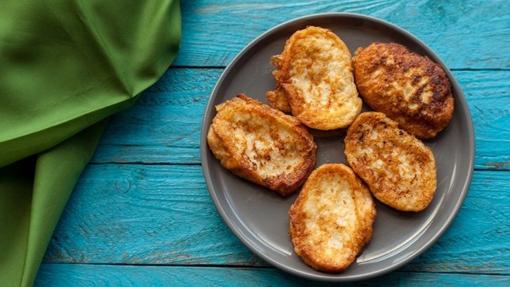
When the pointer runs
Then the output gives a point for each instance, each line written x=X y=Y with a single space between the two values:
x=65 y=67
x=74 y=58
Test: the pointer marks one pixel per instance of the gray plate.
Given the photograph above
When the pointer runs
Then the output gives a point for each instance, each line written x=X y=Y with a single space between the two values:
x=259 y=217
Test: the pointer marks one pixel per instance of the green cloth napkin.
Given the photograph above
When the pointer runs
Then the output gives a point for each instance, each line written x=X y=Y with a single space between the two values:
x=65 y=66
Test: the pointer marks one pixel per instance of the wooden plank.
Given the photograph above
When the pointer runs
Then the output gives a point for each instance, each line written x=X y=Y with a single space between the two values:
x=164 y=125
x=114 y=275
x=465 y=34
x=150 y=214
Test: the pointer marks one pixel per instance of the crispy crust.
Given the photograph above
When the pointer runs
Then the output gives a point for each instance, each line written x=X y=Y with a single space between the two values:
x=314 y=80
x=278 y=100
x=397 y=167
x=366 y=211
x=408 y=88
x=331 y=220
x=261 y=144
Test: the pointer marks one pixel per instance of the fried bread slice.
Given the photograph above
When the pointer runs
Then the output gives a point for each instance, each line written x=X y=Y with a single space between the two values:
x=331 y=219
x=408 y=88
x=366 y=211
x=261 y=144
x=314 y=80
x=399 y=169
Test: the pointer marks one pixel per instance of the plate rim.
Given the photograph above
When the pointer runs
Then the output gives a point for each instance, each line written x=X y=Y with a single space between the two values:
x=327 y=276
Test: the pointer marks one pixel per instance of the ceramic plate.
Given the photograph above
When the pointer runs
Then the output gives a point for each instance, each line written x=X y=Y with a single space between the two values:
x=259 y=217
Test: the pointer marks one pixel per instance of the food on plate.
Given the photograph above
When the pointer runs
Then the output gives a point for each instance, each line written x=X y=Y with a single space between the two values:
x=331 y=219
x=407 y=87
x=366 y=210
x=261 y=144
x=278 y=99
x=314 y=80
x=399 y=169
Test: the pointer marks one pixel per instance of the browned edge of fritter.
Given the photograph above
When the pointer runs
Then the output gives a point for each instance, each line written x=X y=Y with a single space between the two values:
x=286 y=184
x=350 y=141
x=431 y=118
x=296 y=219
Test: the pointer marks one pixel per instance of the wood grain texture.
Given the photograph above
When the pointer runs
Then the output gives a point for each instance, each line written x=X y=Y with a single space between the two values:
x=64 y=275
x=150 y=214
x=465 y=34
x=164 y=125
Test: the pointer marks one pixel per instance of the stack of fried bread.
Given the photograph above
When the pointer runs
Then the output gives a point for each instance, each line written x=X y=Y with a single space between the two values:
x=317 y=85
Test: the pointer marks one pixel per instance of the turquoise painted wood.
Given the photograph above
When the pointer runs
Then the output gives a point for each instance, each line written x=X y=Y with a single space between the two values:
x=466 y=34
x=153 y=214
x=141 y=215
x=64 y=275
x=164 y=126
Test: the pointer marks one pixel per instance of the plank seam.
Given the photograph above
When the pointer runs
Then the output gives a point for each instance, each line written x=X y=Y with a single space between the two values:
x=223 y=67
x=480 y=69
x=197 y=67
x=144 y=163
x=232 y=266
x=198 y=163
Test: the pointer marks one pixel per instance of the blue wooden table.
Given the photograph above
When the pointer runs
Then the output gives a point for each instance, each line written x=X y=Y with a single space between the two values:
x=141 y=214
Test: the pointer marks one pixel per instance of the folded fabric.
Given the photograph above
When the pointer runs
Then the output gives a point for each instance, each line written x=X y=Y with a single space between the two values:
x=65 y=67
